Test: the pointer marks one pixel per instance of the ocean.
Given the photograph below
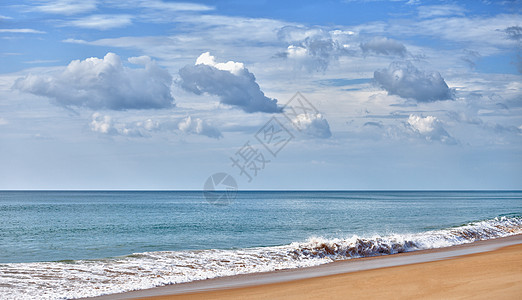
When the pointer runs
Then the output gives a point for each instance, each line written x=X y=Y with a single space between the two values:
x=71 y=244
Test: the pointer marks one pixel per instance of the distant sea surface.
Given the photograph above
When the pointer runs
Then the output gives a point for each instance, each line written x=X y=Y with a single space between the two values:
x=68 y=244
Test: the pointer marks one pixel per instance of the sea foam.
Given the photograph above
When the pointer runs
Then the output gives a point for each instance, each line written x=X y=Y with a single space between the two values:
x=87 y=278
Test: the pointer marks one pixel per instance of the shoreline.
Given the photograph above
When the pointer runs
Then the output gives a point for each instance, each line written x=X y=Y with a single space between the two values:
x=347 y=267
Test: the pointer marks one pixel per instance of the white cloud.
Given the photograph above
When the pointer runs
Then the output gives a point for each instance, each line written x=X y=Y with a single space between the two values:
x=382 y=45
x=104 y=84
x=405 y=80
x=65 y=7
x=409 y=2
x=75 y=41
x=175 y=6
x=430 y=11
x=313 y=124
x=102 y=22
x=235 y=68
x=21 y=30
x=104 y=124
x=198 y=126
x=41 y=61
x=483 y=34
x=313 y=48
x=231 y=81
x=147 y=6
x=3 y=121
x=249 y=39
x=430 y=128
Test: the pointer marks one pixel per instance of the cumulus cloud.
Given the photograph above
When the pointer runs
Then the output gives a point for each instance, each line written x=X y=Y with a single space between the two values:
x=405 y=80
x=313 y=124
x=230 y=81
x=385 y=46
x=430 y=128
x=198 y=126
x=313 y=48
x=102 y=124
x=104 y=84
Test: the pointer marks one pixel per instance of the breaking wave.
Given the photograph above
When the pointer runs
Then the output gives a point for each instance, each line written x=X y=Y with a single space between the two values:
x=355 y=247
x=87 y=278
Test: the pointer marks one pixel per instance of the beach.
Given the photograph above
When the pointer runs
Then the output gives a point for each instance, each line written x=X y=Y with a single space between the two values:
x=479 y=270
x=72 y=244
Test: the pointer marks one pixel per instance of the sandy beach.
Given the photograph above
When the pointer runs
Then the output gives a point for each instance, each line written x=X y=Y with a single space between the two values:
x=479 y=270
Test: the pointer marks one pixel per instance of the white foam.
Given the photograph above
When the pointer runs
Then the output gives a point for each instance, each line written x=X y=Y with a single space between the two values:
x=87 y=278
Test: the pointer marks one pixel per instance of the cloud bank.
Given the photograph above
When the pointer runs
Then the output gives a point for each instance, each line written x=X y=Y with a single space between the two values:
x=104 y=84
x=230 y=81
x=405 y=80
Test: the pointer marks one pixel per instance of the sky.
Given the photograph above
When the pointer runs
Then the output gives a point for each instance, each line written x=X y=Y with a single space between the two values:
x=345 y=95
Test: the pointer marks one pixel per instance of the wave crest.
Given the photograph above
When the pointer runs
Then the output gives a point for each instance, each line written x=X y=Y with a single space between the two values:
x=378 y=245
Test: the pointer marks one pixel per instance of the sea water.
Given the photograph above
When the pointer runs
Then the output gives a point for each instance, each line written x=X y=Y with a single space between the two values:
x=71 y=244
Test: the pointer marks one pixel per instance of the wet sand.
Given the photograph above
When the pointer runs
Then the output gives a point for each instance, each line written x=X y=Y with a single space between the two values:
x=479 y=270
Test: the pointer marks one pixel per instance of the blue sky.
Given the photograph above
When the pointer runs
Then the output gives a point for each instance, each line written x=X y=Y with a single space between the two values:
x=163 y=94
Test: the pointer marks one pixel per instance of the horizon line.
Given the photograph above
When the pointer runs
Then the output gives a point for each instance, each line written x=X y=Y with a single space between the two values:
x=263 y=190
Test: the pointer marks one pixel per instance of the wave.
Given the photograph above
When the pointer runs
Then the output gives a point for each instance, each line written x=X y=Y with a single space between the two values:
x=356 y=247
x=88 y=278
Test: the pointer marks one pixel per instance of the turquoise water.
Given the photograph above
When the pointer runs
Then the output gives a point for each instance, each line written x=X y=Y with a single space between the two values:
x=64 y=245
x=40 y=226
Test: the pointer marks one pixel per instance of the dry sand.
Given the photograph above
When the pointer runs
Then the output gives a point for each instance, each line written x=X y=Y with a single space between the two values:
x=495 y=274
